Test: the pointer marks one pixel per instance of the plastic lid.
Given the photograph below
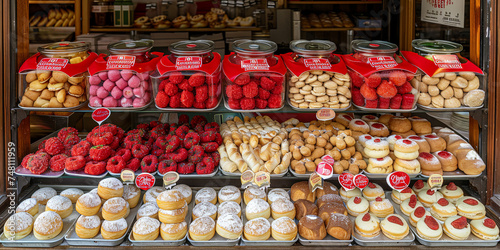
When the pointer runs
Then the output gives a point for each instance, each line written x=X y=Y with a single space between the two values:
x=192 y=47
x=374 y=46
x=130 y=46
x=313 y=46
x=436 y=46
x=63 y=47
x=254 y=47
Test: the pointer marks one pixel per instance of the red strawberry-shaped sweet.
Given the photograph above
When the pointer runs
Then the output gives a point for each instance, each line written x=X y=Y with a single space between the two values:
x=242 y=79
x=197 y=79
x=459 y=223
x=366 y=217
x=356 y=78
x=368 y=92
x=405 y=88
x=379 y=199
x=419 y=184
x=431 y=222
x=413 y=201
x=407 y=102
x=430 y=192
x=407 y=190
x=470 y=201
x=443 y=202
x=387 y=90
x=357 y=97
x=383 y=103
x=451 y=186
x=396 y=102
x=397 y=77
x=372 y=104
x=395 y=220
x=373 y=80
x=489 y=223
x=419 y=212
x=357 y=200
x=409 y=76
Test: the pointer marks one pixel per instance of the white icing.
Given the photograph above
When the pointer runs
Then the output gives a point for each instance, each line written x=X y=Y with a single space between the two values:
x=89 y=222
x=59 y=203
x=146 y=225
x=205 y=194
x=21 y=221
x=204 y=209
x=229 y=207
x=257 y=226
x=111 y=183
x=114 y=205
x=90 y=200
x=184 y=189
x=282 y=206
x=44 y=194
x=115 y=225
x=257 y=206
x=27 y=205
x=202 y=225
x=229 y=193
x=147 y=210
x=277 y=193
x=230 y=222
x=173 y=228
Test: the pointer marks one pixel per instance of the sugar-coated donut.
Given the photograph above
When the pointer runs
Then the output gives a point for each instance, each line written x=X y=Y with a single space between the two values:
x=253 y=192
x=230 y=226
x=114 y=208
x=148 y=210
x=228 y=207
x=47 y=225
x=229 y=193
x=18 y=226
x=132 y=195
x=146 y=228
x=435 y=142
x=43 y=195
x=173 y=216
x=29 y=205
x=88 y=204
x=448 y=160
x=206 y=209
x=257 y=208
x=170 y=200
x=281 y=208
x=258 y=229
x=173 y=231
x=283 y=229
x=152 y=193
x=114 y=229
x=202 y=229
x=61 y=205
x=418 y=213
x=380 y=165
x=72 y=193
x=109 y=188
x=185 y=190
x=87 y=227
x=423 y=145
x=206 y=194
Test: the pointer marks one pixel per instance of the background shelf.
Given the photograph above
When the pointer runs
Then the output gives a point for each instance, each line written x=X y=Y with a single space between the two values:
x=118 y=29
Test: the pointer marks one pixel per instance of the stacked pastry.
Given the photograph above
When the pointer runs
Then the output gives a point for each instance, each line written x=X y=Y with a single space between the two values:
x=258 y=144
x=326 y=20
x=56 y=17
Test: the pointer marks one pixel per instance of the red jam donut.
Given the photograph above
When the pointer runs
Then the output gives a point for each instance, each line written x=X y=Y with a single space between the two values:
x=124 y=153
x=115 y=164
x=100 y=153
x=75 y=162
x=64 y=132
x=58 y=162
x=166 y=166
x=82 y=148
x=54 y=146
x=149 y=164
x=378 y=129
x=95 y=167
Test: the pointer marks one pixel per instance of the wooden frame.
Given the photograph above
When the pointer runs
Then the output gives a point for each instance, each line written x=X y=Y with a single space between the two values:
x=6 y=78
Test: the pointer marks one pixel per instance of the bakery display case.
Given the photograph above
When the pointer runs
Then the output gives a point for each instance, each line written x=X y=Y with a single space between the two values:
x=344 y=136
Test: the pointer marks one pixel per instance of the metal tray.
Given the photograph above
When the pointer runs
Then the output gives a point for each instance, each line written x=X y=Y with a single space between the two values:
x=159 y=242
x=311 y=109
x=386 y=110
x=455 y=175
x=195 y=175
x=189 y=109
x=462 y=108
x=73 y=239
x=124 y=109
x=383 y=176
x=216 y=241
x=269 y=242
x=53 y=109
x=381 y=240
x=327 y=241
x=138 y=172
x=47 y=174
x=81 y=173
x=446 y=241
x=238 y=173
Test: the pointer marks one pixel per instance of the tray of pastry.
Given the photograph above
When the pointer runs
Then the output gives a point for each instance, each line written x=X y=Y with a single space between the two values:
x=195 y=175
x=74 y=240
x=327 y=241
x=81 y=173
x=446 y=241
x=269 y=241
x=372 y=176
x=385 y=110
x=238 y=173
x=314 y=109
x=138 y=172
x=30 y=240
x=380 y=240
x=455 y=175
x=53 y=109
x=21 y=171
x=159 y=241
x=462 y=108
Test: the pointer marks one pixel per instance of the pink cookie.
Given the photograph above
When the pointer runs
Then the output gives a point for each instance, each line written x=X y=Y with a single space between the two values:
x=102 y=93
x=93 y=89
x=126 y=102
x=108 y=85
x=139 y=92
x=144 y=76
x=128 y=92
x=121 y=83
x=95 y=80
x=116 y=93
x=134 y=82
x=95 y=101
x=139 y=102
x=109 y=102
x=126 y=74
x=103 y=75
x=114 y=75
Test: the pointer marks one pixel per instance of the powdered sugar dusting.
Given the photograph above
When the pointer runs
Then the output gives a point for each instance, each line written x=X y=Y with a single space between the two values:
x=173 y=228
x=146 y=225
x=72 y=191
x=170 y=195
x=277 y=193
x=184 y=189
x=48 y=222
x=130 y=191
x=257 y=206
x=147 y=210
x=202 y=225
x=229 y=193
x=205 y=209
x=282 y=205
x=256 y=192
x=21 y=221
x=257 y=226
x=59 y=203
x=205 y=194
x=284 y=225
x=111 y=183
x=152 y=193
x=175 y=211
x=89 y=222
x=115 y=205
x=90 y=200
x=43 y=194
x=114 y=225
x=229 y=207
x=230 y=222
x=329 y=198
x=27 y=205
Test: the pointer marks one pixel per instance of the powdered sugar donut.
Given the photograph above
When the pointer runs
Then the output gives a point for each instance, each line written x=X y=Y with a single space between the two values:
x=359 y=125
x=376 y=148
x=423 y=145
x=406 y=149
x=372 y=191
x=392 y=140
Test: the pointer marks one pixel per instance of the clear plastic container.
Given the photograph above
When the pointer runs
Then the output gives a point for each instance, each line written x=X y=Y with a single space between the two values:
x=254 y=78
x=122 y=80
x=189 y=78
x=449 y=81
x=380 y=78
x=54 y=78
x=316 y=77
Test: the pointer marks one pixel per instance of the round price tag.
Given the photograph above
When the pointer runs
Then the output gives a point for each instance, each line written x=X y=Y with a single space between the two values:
x=361 y=181
x=328 y=159
x=435 y=181
x=145 y=181
x=100 y=115
x=398 y=180
x=170 y=179
x=324 y=170
x=346 y=180
x=315 y=182
x=325 y=114
x=246 y=178
x=127 y=176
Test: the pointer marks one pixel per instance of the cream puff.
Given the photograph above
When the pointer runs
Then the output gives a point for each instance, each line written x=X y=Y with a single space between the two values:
x=109 y=188
x=114 y=229
x=146 y=228
x=202 y=229
x=88 y=204
x=423 y=145
x=43 y=195
x=173 y=232
x=229 y=207
x=394 y=227
x=399 y=196
x=346 y=195
x=229 y=193
x=148 y=210
x=357 y=205
x=429 y=197
x=443 y=209
x=206 y=194
x=87 y=227
x=372 y=191
x=451 y=192
x=406 y=149
x=132 y=195
x=485 y=229
x=257 y=208
x=420 y=185
x=258 y=229
x=18 y=226
x=408 y=205
x=456 y=227
x=173 y=216
x=230 y=226
x=380 y=165
x=29 y=205
x=366 y=225
x=418 y=214
x=61 y=205
x=186 y=191
x=47 y=225
x=279 y=193
x=282 y=207
x=470 y=208
x=205 y=209
x=72 y=193
x=170 y=200
x=381 y=207
x=376 y=148
x=429 y=228
x=151 y=194
x=283 y=229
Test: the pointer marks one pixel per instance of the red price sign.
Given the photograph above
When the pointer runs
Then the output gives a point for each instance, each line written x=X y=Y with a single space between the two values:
x=120 y=62
x=255 y=64
x=317 y=63
x=447 y=61
x=188 y=62
x=398 y=180
x=328 y=159
x=100 y=115
x=324 y=170
x=361 y=181
x=52 y=64
x=346 y=180
x=145 y=181
x=382 y=62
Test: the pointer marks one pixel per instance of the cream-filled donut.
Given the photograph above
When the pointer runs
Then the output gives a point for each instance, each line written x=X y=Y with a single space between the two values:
x=205 y=209
x=456 y=227
x=230 y=226
x=418 y=213
x=109 y=188
x=429 y=228
x=376 y=148
x=406 y=149
x=206 y=194
x=429 y=197
x=29 y=205
x=443 y=209
x=394 y=227
x=380 y=165
x=381 y=207
x=61 y=205
x=257 y=208
x=357 y=205
x=452 y=192
x=410 y=204
x=114 y=229
x=372 y=191
x=367 y=225
x=399 y=196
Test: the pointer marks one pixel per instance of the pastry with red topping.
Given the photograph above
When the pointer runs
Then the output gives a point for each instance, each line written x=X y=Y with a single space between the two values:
x=429 y=228
x=399 y=124
x=448 y=160
x=457 y=228
x=485 y=229
x=357 y=205
x=378 y=129
x=372 y=191
x=381 y=207
x=418 y=213
x=429 y=164
x=435 y=142
x=419 y=186
x=392 y=140
x=394 y=227
x=369 y=118
x=344 y=119
x=471 y=208
x=359 y=125
x=429 y=197
x=406 y=149
x=443 y=209
x=409 y=205
x=380 y=165
x=451 y=192
x=376 y=148
x=399 y=196
x=423 y=145
x=366 y=225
